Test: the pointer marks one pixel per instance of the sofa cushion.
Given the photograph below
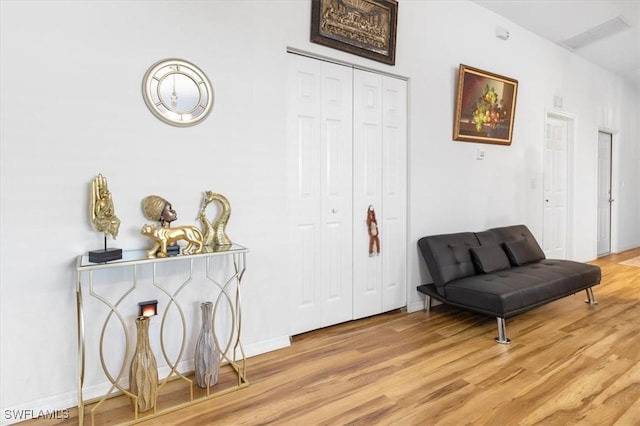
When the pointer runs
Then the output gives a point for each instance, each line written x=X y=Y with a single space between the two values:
x=489 y=258
x=521 y=252
x=512 y=291
x=447 y=256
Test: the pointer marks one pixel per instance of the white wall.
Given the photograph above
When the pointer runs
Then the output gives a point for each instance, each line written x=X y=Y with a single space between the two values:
x=71 y=108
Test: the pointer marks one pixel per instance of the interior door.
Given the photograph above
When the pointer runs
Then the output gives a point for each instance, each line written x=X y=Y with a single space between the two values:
x=380 y=181
x=604 y=193
x=555 y=188
x=394 y=193
x=320 y=192
x=367 y=191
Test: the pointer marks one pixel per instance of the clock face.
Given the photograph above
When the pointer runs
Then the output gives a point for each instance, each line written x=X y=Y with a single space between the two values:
x=177 y=92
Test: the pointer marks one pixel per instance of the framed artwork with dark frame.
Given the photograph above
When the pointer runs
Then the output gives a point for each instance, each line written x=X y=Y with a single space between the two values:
x=365 y=28
x=485 y=107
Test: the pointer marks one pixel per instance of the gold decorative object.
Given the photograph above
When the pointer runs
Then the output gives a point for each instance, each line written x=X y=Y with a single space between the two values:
x=101 y=210
x=103 y=219
x=158 y=209
x=163 y=237
x=215 y=233
x=143 y=374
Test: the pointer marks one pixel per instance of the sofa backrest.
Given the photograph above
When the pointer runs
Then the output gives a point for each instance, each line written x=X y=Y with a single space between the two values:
x=448 y=257
x=510 y=234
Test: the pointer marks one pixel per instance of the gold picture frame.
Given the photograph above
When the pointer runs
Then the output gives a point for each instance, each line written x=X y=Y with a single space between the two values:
x=365 y=28
x=485 y=107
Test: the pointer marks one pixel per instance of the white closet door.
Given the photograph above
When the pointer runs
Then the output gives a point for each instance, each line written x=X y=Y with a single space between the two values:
x=319 y=167
x=394 y=194
x=379 y=180
x=367 y=191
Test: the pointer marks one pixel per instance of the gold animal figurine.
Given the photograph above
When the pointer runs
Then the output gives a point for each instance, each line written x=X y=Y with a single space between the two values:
x=163 y=237
x=215 y=233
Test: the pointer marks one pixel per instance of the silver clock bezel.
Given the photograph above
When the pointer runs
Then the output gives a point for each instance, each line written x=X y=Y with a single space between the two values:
x=166 y=108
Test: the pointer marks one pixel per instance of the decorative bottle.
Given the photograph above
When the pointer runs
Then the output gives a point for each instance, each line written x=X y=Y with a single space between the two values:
x=207 y=354
x=143 y=374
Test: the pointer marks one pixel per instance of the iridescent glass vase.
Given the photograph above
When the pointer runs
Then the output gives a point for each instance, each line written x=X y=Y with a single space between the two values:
x=207 y=354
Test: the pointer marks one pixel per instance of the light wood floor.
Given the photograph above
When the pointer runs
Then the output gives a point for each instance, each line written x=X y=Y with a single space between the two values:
x=569 y=364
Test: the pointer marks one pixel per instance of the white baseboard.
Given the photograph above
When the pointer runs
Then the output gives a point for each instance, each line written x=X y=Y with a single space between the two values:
x=416 y=305
x=54 y=407
x=57 y=406
x=621 y=249
x=267 y=346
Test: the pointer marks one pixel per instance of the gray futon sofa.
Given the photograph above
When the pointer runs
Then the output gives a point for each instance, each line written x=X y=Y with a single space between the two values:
x=500 y=272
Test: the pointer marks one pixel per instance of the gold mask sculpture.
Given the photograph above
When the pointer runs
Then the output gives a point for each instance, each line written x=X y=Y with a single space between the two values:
x=101 y=210
x=215 y=233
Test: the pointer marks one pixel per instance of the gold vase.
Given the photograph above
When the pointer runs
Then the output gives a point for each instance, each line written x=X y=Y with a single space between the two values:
x=143 y=374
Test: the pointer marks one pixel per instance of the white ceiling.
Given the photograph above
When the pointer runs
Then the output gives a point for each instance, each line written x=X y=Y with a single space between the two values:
x=561 y=20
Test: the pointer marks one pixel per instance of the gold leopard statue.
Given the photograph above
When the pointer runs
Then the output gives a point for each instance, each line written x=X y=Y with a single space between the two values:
x=164 y=237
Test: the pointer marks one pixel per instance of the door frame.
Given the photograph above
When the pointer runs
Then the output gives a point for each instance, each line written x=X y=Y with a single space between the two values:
x=570 y=120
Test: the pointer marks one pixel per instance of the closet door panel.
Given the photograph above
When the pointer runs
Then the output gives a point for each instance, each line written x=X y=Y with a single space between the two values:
x=367 y=191
x=394 y=194
x=303 y=150
x=336 y=186
x=319 y=161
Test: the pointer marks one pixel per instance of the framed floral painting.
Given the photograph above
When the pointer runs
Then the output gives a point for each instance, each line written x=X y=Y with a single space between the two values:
x=485 y=107
x=365 y=28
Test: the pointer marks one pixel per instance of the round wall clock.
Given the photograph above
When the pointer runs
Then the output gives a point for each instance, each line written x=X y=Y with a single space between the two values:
x=177 y=92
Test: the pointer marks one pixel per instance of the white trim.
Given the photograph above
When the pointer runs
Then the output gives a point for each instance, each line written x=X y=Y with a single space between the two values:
x=30 y=410
x=267 y=346
x=415 y=306
x=312 y=55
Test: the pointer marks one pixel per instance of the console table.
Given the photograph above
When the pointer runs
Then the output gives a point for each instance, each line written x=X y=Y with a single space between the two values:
x=225 y=292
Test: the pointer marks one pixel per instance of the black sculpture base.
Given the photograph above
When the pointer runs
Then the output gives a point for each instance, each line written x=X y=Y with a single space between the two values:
x=105 y=255
x=173 y=250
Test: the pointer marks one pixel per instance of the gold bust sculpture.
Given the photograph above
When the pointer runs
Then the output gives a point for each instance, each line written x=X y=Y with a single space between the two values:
x=101 y=210
x=158 y=209
x=164 y=237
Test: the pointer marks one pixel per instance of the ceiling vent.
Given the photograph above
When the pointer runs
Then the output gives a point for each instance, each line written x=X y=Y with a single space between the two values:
x=596 y=33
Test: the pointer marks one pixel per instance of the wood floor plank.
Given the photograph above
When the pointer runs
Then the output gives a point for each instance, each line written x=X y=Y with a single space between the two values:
x=568 y=364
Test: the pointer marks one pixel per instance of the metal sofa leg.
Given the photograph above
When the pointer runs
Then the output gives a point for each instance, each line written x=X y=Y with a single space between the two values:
x=502 y=333
x=590 y=299
x=427 y=303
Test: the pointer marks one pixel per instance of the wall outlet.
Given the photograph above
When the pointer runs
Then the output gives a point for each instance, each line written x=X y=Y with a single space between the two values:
x=480 y=154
